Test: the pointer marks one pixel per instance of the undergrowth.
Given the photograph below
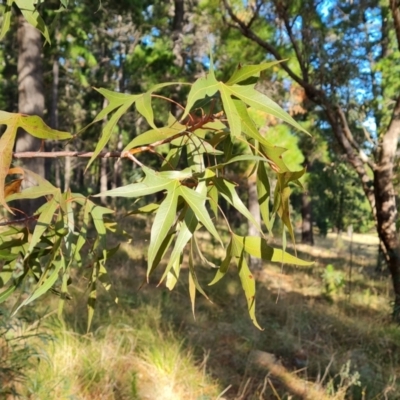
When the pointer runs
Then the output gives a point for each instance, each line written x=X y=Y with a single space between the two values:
x=341 y=346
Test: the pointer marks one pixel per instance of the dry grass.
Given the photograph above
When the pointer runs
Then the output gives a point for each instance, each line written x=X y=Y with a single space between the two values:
x=151 y=347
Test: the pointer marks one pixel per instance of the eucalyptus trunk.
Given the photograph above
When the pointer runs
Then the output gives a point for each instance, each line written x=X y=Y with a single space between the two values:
x=30 y=101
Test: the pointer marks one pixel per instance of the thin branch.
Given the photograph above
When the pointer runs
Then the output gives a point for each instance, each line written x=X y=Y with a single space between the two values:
x=19 y=221
x=395 y=8
x=313 y=93
x=255 y=14
x=350 y=138
x=296 y=49
x=368 y=135
x=119 y=154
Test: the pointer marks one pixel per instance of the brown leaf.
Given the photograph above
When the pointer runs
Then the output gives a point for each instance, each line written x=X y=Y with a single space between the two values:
x=12 y=187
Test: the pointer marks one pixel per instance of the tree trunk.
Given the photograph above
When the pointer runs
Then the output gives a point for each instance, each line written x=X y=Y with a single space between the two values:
x=307 y=236
x=385 y=197
x=30 y=101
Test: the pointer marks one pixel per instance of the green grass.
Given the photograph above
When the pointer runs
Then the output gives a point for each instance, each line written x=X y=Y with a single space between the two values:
x=150 y=346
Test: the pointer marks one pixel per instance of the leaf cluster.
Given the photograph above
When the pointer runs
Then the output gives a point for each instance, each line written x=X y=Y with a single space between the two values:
x=188 y=183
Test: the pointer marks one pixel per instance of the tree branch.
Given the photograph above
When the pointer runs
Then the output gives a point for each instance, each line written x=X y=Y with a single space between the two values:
x=350 y=138
x=311 y=91
x=296 y=49
x=395 y=8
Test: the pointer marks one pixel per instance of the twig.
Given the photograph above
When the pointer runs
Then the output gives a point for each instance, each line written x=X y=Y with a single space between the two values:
x=18 y=221
x=223 y=392
x=347 y=132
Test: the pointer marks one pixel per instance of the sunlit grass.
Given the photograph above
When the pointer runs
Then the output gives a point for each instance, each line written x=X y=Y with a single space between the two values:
x=128 y=357
x=151 y=347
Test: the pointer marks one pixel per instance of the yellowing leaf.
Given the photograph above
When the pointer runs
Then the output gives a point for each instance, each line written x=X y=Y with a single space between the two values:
x=249 y=287
x=34 y=126
x=12 y=187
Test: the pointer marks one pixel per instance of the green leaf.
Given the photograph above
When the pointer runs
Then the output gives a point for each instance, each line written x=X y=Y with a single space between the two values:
x=272 y=152
x=115 y=100
x=247 y=71
x=227 y=190
x=6 y=19
x=259 y=101
x=45 y=284
x=241 y=158
x=193 y=271
x=102 y=274
x=152 y=183
x=224 y=265
x=196 y=202
x=213 y=197
x=205 y=86
x=155 y=135
x=84 y=229
x=109 y=127
x=97 y=213
x=235 y=124
x=41 y=189
x=257 y=247
x=173 y=274
x=187 y=228
x=162 y=223
x=31 y=14
x=264 y=194
x=35 y=126
x=143 y=106
x=249 y=288
x=165 y=244
x=91 y=303
x=5 y=294
x=43 y=222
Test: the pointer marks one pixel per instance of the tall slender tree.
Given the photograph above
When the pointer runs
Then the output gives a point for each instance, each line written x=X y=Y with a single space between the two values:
x=30 y=98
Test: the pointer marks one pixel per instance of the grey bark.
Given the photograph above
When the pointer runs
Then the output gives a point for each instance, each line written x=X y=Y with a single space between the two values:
x=30 y=101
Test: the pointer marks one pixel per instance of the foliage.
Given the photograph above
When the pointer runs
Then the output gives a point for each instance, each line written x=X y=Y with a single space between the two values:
x=333 y=280
x=17 y=353
x=185 y=188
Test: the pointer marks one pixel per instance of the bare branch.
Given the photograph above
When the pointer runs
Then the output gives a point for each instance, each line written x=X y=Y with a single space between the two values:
x=19 y=221
x=350 y=138
x=312 y=92
x=255 y=14
x=296 y=49
x=368 y=135
x=395 y=8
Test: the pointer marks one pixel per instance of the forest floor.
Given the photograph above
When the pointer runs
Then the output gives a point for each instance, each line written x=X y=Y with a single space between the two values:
x=327 y=332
